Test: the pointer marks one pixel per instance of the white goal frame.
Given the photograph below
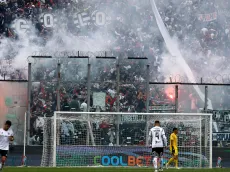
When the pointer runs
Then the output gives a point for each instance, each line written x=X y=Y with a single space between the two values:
x=118 y=115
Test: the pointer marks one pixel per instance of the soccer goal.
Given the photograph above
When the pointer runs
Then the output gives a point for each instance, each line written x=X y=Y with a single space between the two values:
x=74 y=139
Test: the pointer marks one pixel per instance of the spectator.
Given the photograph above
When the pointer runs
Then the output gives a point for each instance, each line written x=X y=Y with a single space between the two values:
x=74 y=104
x=84 y=106
x=194 y=101
x=65 y=106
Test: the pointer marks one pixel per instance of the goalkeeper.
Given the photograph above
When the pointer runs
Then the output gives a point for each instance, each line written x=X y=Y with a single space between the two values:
x=173 y=148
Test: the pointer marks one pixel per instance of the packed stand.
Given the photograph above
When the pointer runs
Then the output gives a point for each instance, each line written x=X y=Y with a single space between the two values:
x=132 y=33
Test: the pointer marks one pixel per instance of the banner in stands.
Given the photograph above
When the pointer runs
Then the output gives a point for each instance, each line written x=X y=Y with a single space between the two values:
x=221 y=137
x=221 y=127
x=162 y=108
x=99 y=99
x=207 y=17
x=49 y=20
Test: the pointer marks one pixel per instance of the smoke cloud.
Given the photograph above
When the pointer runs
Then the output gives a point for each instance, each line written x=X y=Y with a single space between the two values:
x=131 y=29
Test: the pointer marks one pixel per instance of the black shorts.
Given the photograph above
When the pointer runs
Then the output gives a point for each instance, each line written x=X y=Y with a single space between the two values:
x=3 y=153
x=158 y=151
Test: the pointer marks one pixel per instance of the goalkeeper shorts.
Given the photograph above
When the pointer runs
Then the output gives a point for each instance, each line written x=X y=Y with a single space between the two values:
x=174 y=152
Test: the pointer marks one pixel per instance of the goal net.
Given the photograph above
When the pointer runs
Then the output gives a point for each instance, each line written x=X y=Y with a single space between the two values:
x=121 y=139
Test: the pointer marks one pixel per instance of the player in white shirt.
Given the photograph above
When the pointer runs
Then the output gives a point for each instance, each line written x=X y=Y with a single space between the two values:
x=6 y=135
x=158 y=141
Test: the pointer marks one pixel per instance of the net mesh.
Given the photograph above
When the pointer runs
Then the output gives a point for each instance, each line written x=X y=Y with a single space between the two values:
x=107 y=139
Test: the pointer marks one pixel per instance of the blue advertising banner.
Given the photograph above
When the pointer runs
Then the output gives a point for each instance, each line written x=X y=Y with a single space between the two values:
x=102 y=156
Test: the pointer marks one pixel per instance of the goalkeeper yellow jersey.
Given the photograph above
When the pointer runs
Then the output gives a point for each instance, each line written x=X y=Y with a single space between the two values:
x=173 y=140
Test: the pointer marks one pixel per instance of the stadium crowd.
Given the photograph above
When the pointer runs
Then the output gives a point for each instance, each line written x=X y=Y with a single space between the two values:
x=211 y=40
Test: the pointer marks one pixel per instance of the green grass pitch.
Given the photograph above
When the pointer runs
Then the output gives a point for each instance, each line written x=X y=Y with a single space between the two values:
x=19 y=169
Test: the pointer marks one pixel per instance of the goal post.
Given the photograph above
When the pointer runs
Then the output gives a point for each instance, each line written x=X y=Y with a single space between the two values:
x=65 y=136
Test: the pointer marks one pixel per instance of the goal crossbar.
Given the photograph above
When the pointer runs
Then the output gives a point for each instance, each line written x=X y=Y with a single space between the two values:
x=134 y=113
